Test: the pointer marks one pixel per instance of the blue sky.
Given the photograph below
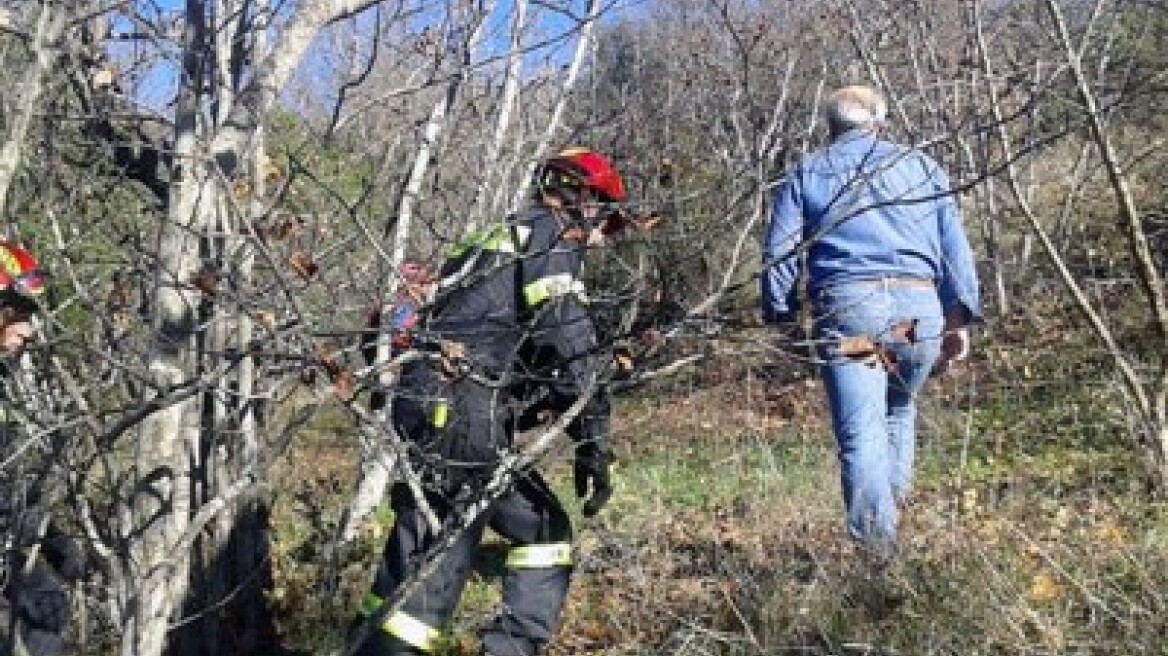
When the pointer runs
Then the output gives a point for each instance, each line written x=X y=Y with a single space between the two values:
x=154 y=84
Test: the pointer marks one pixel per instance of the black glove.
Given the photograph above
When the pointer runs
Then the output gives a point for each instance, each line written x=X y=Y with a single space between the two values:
x=591 y=474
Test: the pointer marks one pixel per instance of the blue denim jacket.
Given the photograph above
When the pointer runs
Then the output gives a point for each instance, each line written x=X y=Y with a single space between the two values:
x=864 y=208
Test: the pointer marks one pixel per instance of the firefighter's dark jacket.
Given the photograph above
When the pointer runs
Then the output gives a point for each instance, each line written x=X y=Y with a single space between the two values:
x=513 y=296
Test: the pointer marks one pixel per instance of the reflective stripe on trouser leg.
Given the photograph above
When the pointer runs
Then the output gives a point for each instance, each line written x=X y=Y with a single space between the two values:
x=538 y=569
x=433 y=600
x=402 y=626
x=540 y=555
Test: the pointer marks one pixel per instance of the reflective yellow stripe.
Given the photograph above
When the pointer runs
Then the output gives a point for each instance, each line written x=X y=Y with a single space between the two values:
x=404 y=627
x=524 y=235
x=412 y=631
x=540 y=555
x=8 y=263
x=496 y=239
x=552 y=286
x=439 y=415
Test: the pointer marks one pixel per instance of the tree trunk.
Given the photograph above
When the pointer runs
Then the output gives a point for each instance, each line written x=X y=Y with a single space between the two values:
x=169 y=441
x=50 y=24
x=226 y=606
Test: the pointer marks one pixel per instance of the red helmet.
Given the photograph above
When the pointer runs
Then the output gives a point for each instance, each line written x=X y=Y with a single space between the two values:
x=580 y=167
x=19 y=272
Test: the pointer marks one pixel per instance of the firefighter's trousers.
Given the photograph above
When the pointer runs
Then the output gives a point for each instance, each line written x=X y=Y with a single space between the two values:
x=538 y=566
x=458 y=431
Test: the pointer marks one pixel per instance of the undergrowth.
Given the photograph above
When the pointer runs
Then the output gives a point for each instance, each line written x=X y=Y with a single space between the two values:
x=1031 y=530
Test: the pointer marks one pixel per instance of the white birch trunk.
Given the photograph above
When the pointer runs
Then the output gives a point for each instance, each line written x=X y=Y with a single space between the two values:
x=167 y=441
x=49 y=26
x=494 y=174
x=583 y=46
x=377 y=465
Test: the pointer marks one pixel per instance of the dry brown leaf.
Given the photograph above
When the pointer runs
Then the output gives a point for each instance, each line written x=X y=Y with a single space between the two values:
x=345 y=384
x=1111 y=532
x=241 y=189
x=303 y=264
x=206 y=280
x=266 y=319
x=272 y=173
x=288 y=226
x=119 y=294
x=1044 y=588
x=624 y=360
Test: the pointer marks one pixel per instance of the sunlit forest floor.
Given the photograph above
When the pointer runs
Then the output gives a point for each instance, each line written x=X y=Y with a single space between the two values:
x=1031 y=531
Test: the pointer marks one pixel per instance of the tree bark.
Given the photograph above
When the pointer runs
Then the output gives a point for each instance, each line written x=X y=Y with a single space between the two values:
x=49 y=26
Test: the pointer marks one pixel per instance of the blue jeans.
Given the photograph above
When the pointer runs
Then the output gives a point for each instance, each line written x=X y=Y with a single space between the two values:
x=873 y=408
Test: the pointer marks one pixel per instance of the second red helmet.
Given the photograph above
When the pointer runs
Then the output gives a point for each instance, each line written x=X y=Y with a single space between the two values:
x=19 y=272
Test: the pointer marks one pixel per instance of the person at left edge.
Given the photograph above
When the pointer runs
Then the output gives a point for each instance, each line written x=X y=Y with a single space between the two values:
x=38 y=567
x=511 y=300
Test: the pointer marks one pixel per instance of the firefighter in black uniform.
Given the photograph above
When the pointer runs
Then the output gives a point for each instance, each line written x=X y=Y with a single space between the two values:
x=510 y=306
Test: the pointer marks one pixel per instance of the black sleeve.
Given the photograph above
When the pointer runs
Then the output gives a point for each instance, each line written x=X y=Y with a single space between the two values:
x=563 y=351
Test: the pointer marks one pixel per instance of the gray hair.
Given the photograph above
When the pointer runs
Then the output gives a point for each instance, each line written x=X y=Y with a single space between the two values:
x=854 y=107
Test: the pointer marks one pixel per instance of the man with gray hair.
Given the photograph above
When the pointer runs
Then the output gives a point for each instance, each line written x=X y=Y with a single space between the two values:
x=891 y=286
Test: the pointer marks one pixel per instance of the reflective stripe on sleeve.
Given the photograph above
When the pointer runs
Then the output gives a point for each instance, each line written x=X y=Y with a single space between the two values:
x=560 y=284
x=558 y=554
x=497 y=239
x=406 y=628
x=524 y=234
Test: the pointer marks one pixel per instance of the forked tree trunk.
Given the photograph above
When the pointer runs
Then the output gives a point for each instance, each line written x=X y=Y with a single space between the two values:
x=183 y=449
